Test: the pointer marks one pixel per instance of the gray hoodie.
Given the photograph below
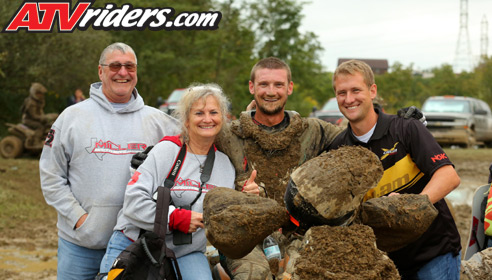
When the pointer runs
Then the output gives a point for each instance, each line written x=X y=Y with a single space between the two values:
x=84 y=166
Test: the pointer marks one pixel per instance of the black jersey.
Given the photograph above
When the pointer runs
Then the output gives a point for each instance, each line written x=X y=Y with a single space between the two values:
x=410 y=156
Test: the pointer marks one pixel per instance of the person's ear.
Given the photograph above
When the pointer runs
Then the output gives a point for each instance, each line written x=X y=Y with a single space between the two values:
x=290 y=88
x=252 y=87
x=373 y=91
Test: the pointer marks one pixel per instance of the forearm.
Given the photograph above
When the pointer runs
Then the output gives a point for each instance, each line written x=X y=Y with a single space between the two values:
x=139 y=206
x=443 y=181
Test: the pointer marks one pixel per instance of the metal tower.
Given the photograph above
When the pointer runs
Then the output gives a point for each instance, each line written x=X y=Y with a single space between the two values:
x=484 y=38
x=463 y=57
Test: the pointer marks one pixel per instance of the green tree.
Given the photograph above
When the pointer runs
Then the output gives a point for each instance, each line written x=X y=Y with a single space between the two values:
x=276 y=25
x=396 y=87
x=60 y=61
x=175 y=59
x=484 y=80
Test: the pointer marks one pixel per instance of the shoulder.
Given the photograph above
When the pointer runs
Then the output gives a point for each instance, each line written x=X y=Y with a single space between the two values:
x=155 y=112
x=405 y=125
x=341 y=139
x=221 y=156
x=162 y=118
x=321 y=126
x=165 y=150
x=78 y=111
x=169 y=142
x=152 y=110
x=224 y=160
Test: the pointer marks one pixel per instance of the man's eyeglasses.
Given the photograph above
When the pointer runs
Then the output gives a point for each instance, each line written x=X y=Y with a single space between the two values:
x=116 y=66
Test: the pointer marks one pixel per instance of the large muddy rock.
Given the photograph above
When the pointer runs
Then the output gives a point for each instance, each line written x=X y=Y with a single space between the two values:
x=328 y=189
x=478 y=267
x=236 y=222
x=399 y=219
x=341 y=253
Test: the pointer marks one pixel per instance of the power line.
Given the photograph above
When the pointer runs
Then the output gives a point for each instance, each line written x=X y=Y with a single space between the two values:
x=484 y=38
x=463 y=57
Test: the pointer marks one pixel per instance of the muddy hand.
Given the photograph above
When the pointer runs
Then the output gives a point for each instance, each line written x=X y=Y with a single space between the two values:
x=251 y=106
x=250 y=185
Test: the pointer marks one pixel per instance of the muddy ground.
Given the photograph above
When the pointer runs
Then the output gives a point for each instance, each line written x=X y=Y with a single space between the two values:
x=28 y=233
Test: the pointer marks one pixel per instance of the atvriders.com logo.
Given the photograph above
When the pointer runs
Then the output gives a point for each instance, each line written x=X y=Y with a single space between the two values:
x=40 y=16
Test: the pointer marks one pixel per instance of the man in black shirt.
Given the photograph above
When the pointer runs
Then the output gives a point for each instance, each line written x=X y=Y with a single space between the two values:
x=413 y=162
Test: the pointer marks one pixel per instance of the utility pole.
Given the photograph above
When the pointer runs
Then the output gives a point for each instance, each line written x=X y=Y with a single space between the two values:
x=484 y=39
x=463 y=57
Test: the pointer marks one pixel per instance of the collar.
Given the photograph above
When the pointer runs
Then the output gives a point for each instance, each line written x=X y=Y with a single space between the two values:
x=382 y=126
x=283 y=124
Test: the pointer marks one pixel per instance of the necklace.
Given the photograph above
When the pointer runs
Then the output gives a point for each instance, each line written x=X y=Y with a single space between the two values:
x=200 y=163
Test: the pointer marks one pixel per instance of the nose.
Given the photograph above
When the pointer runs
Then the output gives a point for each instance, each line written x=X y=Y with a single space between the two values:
x=207 y=118
x=123 y=71
x=270 y=90
x=349 y=97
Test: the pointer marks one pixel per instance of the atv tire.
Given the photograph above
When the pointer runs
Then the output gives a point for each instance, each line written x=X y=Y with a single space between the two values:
x=11 y=147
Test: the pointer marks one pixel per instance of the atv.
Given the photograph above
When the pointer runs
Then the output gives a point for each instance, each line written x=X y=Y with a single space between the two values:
x=23 y=138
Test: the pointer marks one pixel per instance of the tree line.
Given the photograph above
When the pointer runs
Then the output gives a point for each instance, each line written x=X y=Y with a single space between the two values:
x=248 y=31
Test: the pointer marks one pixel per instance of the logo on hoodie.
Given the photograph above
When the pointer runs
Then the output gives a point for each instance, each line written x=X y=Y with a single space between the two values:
x=40 y=16
x=101 y=148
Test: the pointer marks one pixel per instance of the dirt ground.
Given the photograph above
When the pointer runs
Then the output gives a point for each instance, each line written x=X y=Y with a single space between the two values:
x=328 y=253
x=28 y=226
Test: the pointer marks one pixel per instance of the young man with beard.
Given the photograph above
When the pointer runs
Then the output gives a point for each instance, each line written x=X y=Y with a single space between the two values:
x=413 y=162
x=272 y=141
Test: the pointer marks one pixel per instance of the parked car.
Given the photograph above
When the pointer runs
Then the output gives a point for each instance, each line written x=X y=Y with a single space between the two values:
x=171 y=103
x=330 y=113
x=458 y=120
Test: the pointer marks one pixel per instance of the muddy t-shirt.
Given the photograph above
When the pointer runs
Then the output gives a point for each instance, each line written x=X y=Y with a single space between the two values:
x=410 y=156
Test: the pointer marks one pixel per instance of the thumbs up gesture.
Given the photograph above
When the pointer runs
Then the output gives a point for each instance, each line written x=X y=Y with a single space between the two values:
x=250 y=185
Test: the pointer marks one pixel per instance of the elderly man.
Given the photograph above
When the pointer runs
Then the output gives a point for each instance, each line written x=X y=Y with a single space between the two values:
x=84 y=163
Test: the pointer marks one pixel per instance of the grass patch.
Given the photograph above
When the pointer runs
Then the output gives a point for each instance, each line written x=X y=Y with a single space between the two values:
x=21 y=200
x=469 y=154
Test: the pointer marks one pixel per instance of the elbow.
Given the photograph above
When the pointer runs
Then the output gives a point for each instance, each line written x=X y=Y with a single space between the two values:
x=457 y=181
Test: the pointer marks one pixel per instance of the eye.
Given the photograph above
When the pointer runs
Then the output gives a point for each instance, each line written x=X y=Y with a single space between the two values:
x=198 y=113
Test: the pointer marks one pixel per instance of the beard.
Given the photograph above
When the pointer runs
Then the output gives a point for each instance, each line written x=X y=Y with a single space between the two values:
x=269 y=111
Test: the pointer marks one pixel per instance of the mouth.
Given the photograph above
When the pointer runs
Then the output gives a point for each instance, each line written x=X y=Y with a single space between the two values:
x=121 y=81
x=270 y=99
x=207 y=126
x=352 y=107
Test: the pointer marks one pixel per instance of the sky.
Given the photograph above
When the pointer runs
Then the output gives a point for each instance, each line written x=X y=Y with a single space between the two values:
x=420 y=32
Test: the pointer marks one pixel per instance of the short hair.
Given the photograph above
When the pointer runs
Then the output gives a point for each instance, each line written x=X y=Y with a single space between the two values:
x=271 y=63
x=195 y=92
x=118 y=46
x=353 y=66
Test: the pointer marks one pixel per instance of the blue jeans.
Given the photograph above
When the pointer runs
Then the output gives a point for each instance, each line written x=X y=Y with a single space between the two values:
x=444 y=267
x=76 y=262
x=194 y=266
x=117 y=243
